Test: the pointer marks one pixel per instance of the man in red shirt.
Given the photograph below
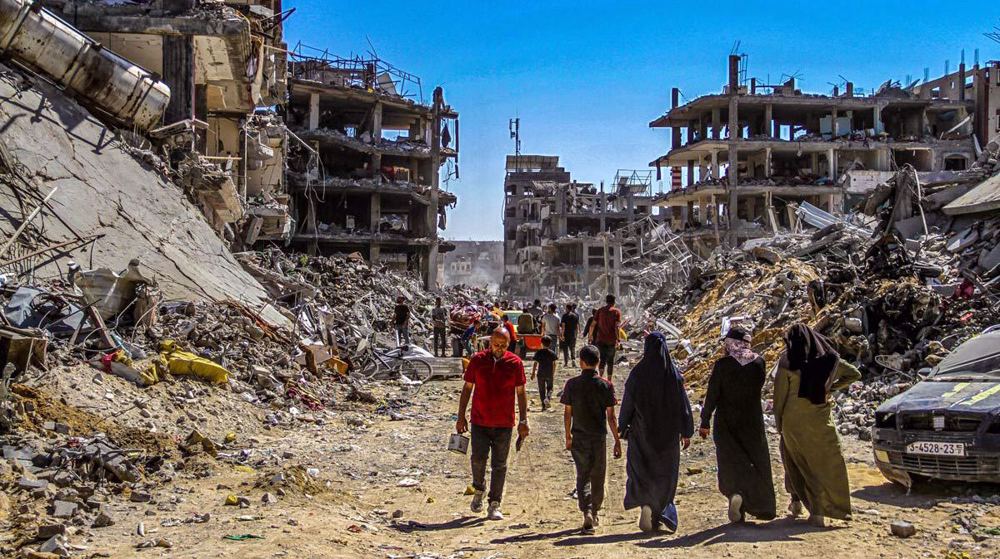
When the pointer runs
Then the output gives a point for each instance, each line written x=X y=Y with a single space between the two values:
x=492 y=379
x=605 y=336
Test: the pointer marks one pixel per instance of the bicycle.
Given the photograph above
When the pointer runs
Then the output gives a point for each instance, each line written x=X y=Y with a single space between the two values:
x=375 y=364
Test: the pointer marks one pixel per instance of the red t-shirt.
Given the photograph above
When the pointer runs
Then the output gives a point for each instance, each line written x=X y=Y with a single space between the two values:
x=608 y=319
x=509 y=326
x=496 y=381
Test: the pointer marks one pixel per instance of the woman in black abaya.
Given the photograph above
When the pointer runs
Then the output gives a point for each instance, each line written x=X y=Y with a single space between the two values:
x=744 y=460
x=656 y=419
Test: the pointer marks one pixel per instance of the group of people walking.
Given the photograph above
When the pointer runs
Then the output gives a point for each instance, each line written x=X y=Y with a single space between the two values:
x=655 y=419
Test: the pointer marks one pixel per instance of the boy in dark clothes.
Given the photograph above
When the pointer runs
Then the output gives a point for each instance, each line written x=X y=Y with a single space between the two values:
x=545 y=365
x=590 y=411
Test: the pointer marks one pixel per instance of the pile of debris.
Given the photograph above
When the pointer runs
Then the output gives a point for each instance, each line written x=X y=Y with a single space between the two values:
x=894 y=306
x=339 y=300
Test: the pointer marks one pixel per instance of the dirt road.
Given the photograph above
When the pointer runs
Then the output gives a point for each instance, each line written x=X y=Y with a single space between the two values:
x=383 y=485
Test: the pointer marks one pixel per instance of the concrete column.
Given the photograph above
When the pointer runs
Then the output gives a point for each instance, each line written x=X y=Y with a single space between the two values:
x=734 y=200
x=831 y=158
x=178 y=73
x=734 y=158
x=715 y=164
x=814 y=162
x=767 y=162
x=313 y=111
x=377 y=122
x=374 y=252
x=877 y=113
x=961 y=81
x=690 y=177
x=769 y=120
x=430 y=259
x=375 y=211
x=675 y=131
x=376 y=167
x=833 y=124
x=734 y=121
x=716 y=123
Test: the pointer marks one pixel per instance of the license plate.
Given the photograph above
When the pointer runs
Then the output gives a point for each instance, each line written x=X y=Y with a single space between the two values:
x=936 y=448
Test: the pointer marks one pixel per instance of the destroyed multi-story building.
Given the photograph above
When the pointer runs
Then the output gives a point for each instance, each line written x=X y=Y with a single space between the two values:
x=564 y=236
x=743 y=159
x=222 y=61
x=366 y=172
x=473 y=263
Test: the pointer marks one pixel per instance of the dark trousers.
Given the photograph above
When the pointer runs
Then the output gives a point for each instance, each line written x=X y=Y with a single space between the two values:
x=590 y=455
x=492 y=442
x=545 y=383
x=569 y=350
x=402 y=334
x=440 y=336
x=607 y=352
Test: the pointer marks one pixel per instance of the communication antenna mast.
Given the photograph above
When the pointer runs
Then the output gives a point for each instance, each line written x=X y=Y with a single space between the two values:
x=514 y=125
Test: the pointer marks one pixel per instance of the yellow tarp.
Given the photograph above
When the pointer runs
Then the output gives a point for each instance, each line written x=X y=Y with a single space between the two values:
x=184 y=363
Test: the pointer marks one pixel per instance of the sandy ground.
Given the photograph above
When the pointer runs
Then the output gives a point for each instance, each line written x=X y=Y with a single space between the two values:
x=354 y=504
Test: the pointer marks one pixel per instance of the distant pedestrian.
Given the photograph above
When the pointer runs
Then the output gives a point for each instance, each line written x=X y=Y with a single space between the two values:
x=568 y=328
x=525 y=323
x=440 y=318
x=590 y=410
x=493 y=379
x=550 y=322
x=607 y=324
x=588 y=329
x=511 y=331
x=401 y=320
x=535 y=310
x=468 y=336
x=743 y=458
x=525 y=327
x=656 y=422
x=809 y=371
x=545 y=365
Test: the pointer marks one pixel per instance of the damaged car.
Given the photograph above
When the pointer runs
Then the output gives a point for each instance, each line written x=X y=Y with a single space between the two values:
x=947 y=426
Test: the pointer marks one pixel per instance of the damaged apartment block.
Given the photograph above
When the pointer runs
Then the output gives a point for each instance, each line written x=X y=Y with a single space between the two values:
x=743 y=160
x=365 y=172
x=223 y=62
x=563 y=236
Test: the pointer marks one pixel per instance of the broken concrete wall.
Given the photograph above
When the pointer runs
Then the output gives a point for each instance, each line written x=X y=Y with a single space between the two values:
x=103 y=190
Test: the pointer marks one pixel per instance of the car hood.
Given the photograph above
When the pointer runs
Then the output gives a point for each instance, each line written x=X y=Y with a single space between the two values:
x=976 y=397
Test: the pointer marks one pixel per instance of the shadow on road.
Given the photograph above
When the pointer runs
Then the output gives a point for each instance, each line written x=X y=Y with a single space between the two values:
x=456 y=524
x=535 y=536
x=603 y=539
x=925 y=494
x=782 y=530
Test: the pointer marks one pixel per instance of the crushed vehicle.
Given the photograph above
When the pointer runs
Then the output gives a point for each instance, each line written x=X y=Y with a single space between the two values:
x=947 y=426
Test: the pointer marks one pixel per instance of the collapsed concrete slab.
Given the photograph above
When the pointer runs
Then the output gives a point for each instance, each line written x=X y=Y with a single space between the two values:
x=104 y=190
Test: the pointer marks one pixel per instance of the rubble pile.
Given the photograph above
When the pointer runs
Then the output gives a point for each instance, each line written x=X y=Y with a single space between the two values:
x=65 y=484
x=894 y=307
x=346 y=298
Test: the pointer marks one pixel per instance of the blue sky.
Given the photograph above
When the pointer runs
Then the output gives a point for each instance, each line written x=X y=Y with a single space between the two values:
x=586 y=77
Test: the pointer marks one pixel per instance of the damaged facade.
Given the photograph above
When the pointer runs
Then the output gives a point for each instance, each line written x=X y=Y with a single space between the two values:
x=222 y=61
x=365 y=175
x=564 y=236
x=751 y=154
x=340 y=158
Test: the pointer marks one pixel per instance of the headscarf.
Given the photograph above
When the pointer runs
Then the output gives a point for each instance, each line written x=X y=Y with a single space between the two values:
x=655 y=354
x=813 y=356
x=737 y=342
x=656 y=386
